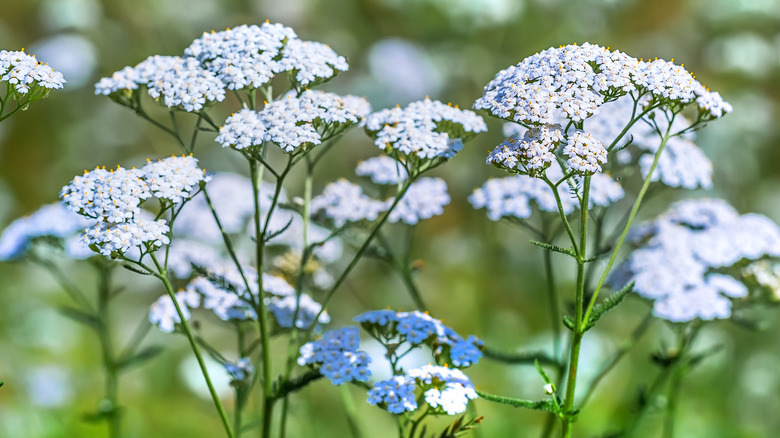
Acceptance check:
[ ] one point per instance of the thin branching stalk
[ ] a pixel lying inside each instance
(163, 276)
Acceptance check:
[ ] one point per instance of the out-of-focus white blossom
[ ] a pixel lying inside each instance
(163, 312)
(512, 196)
(52, 220)
(425, 129)
(424, 199)
(679, 251)
(382, 170)
(345, 202)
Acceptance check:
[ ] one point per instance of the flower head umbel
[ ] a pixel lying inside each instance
(396, 394)
(572, 82)
(174, 179)
(684, 257)
(294, 122)
(529, 154)
(250, 56)
(26, 76)
(586, 154)
(423, 130)
(175, 82)
(114, 197)
(337, 356)
(442, 387)
(569, 85)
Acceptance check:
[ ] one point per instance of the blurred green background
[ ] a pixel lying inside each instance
(482, 277)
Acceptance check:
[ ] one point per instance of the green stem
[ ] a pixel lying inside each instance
(569, 231)
(292, 349)
(163, 276)
(630, 221)
(579, 331)
(262, 313)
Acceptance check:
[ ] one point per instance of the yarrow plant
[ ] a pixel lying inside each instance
(578, 116)
(263, 261)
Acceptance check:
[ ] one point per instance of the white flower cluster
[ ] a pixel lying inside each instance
(178, 82)
(292, 121)
(445, 388)
(113, 197)
(572, 82)
(533, 151)
(175, 179)
(424, 199)
(250, 56)
(586, 154)
(163, 312)
(511, 196)
(310, 61)
(243, 57)
(24, 72)
(112, 238)
(425, 129)
(680, 250)
(53, 220)
(382, 170)
(337, 356)
(343, 201)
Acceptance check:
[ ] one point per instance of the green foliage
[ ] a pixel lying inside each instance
(555, 248)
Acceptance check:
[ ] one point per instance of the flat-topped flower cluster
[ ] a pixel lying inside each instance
(293, 121)
(24, 73)
(554, 92)
(234, 59)
(113, 198)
